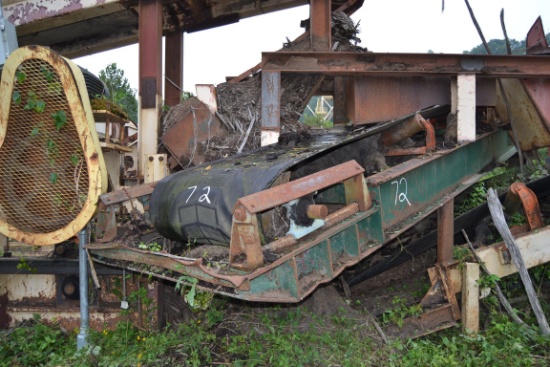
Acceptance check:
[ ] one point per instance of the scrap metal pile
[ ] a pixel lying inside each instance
(234, 126)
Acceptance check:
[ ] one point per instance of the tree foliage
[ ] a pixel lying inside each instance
(119, 89)
(498, 47)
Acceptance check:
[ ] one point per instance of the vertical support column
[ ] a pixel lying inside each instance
(445, 232)
(271, 111)
(150, 78)
(470, 298)
(466, 108)
(454, 96)
(320, 14)
(173, 68)
(82, 337)
(339, 96)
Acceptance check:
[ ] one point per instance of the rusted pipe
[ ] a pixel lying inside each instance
(317, 211)
(280, 245)
(402, 131)
(521, 194)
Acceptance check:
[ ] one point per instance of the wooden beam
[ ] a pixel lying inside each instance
(470, 298)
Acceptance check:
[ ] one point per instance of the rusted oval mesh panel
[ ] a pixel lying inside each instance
(43, 174)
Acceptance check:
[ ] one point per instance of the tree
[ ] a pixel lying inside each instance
(498, 47)
(119, 89)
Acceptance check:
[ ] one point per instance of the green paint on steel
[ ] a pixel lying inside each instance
(281, 278)
(332, 195)
(314, 260)
(343, 246)
(370, 231)
(404, 195)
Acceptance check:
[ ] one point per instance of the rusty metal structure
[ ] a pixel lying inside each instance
(270, 224)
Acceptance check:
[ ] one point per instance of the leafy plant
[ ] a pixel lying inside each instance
(59, 119)
(24, 265)
(401, 311)
(151, 246)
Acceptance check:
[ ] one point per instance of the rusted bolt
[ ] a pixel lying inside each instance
(240, 213)
(151, 159)
(161, 158)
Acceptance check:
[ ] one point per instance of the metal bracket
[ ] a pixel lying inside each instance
(245, 247)
(415, 124)
(521, 194)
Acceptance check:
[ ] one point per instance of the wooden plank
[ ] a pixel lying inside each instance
(127, 193)
(113, 146)
(470, 298)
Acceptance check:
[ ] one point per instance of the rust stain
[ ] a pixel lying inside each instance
(5, 318)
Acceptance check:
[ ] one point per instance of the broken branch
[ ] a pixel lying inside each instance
(497, 214)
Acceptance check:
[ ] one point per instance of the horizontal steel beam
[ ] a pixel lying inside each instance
(51, 266)
(399, 64)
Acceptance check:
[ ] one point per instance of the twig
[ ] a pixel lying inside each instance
(508, 48)
(501, 297)
(173, 84)
(252, 121)
(225, 121)
(500, 223)
(92, 270)
(380, 331)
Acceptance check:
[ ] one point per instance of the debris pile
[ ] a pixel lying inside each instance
(239, 106)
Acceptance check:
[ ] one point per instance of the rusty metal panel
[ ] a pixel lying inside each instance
(190, 136)
(539, 92)
(375, 99)
(271, 96)
(532, 131)
(536, 39)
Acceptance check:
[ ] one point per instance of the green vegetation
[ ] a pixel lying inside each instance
(498, 47)
(317, 121)
(121, 94)
(229, 334)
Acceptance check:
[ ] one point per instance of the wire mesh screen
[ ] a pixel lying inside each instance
(43, 174)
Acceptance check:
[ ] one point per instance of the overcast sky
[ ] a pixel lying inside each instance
(385, 26)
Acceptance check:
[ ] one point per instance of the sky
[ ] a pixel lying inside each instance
(385, 26)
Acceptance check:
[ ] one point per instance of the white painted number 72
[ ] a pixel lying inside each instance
(401, 188)
(203, 197)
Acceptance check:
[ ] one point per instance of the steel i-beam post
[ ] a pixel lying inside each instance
(150, 78)
(320, 25)
(271, 107)
(173, 68)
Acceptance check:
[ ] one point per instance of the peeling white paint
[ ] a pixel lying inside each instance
(21, 286)
(26, 12)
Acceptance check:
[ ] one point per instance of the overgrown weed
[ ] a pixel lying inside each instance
(229, 334)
